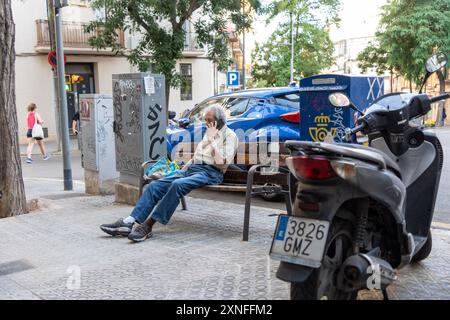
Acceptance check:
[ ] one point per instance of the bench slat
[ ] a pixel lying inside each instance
(248, 153)
(240, 177)
(225, 187)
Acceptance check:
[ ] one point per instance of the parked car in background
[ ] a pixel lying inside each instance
(255, 115)
(266, 111)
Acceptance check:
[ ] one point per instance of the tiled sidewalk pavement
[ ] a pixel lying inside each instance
(199, 255)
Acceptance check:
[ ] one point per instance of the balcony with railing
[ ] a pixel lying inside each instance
(191, 46)
(74, 37)
(237, 47)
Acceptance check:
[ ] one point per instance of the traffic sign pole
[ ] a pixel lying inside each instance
(67, 166)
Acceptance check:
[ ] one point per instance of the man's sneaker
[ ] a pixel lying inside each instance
(118, 228)
(29, 160)
(140, 233)
(46, 157)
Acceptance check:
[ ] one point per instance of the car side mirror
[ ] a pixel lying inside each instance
(183, 122)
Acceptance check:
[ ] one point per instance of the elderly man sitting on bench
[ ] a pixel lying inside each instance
(210, 161)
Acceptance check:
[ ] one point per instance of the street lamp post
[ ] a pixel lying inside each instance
(67, 167)
(243, 62)
(51, 30)
(292, 47)
(244, 85)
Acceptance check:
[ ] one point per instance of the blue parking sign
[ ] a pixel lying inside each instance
(232, 78)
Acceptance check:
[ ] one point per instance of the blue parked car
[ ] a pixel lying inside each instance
(266, 111)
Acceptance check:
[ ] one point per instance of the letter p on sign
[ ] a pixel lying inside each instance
(233, 78)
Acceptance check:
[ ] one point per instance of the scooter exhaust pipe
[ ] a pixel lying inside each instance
(364, 271)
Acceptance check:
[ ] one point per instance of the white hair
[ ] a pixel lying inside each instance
(219, 113)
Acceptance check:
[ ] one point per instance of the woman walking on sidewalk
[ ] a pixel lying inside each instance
(34, 118)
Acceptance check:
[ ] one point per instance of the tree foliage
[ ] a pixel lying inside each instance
(313, 49)
(374, 57)
(161, 26)
(410, 31)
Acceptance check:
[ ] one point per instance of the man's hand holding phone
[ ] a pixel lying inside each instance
(211, 131)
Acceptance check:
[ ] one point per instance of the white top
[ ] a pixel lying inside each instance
(226, 143)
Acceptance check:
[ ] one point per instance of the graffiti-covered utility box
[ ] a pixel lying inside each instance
(140, 120)
(319, 119)
(96, 122)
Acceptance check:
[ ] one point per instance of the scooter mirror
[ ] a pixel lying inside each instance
(339, 100)
(436, 62)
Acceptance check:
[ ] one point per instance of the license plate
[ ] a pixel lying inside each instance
(299, 240)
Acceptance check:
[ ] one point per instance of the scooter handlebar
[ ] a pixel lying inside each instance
(439, 98)
(359, 128)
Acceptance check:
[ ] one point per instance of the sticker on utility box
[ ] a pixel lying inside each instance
(149, 83)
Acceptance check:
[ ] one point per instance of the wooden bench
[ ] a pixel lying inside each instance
(249, 180)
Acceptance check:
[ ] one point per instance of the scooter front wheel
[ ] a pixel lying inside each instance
(321, 284)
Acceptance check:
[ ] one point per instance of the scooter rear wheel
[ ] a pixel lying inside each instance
(425, 251)
(321, 284)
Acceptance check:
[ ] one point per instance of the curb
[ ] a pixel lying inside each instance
(440, 225)
(53, 153)
(80, 182)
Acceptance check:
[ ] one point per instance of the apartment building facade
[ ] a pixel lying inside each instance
(90, 69)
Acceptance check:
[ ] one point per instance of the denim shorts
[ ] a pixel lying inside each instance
(30, 135)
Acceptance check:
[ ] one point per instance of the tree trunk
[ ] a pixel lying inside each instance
(392, 80)
(12, 192)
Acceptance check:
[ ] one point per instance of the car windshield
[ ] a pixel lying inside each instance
(198, 114)
(233, 106)
(291, 100)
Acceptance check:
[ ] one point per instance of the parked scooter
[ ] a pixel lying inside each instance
(360, 213)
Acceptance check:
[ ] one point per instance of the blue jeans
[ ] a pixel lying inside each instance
(162, 196)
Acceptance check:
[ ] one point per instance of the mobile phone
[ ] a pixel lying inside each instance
(220, 124)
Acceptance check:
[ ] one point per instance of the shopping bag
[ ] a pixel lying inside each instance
(162, 168)
(37, 132)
